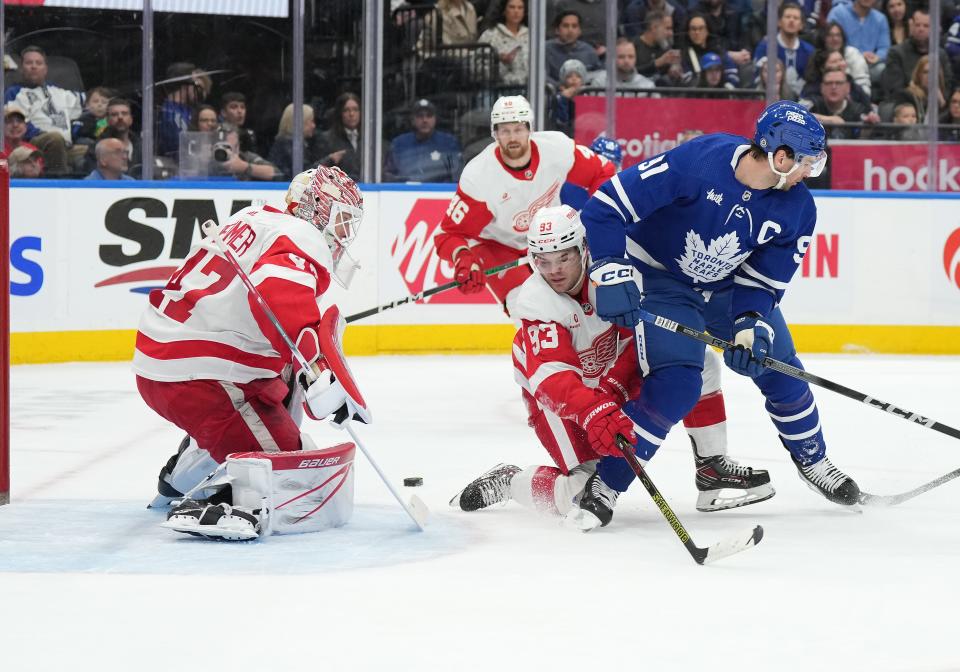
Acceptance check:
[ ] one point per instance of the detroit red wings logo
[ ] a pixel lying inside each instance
(602, 352)
(521, 220)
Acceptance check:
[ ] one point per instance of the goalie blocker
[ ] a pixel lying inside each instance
(257, 494)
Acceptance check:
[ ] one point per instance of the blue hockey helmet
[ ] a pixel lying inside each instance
(609, 149)
(788, 124)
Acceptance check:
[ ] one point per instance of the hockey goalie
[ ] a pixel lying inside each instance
(209, 360)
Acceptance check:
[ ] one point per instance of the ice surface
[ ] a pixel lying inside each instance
(88, 581)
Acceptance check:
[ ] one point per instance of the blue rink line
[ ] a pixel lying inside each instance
(123, 537)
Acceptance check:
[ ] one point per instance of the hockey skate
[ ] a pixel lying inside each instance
(491, 487)
(596, 506)
(166, 493)
(718, 473)
(220, 522)
(824, 478)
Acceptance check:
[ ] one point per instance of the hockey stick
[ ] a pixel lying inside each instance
(800, 374)
(702, 556)
(416, 509)
(430, 292)
(892, 500)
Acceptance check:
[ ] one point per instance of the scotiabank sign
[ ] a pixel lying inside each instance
(891, 166)
(648, 126)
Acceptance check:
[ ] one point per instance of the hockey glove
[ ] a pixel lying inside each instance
(618, 297)
(603, 422)
(751, 342)
(467, 271)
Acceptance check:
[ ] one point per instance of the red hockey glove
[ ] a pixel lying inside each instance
(468, 273)
(612, 387)
(603, 422)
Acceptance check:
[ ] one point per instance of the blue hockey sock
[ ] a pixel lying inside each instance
(798, 423)
(615, 472)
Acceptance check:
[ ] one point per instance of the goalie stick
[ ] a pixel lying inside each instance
(430, 292)
(416, 509)
(794, 372)
(702, 556)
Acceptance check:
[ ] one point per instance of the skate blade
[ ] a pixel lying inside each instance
(161, 502)
(580, 520)
(711, 500)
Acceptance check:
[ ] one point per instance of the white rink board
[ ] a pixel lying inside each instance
(873, 261)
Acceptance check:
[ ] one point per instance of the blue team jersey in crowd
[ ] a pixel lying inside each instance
(686, 213)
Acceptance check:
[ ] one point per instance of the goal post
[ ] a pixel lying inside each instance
(4, 332)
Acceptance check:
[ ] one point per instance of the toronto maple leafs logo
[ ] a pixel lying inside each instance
(709, 263)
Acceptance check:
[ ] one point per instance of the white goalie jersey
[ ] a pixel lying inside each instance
(204, 324)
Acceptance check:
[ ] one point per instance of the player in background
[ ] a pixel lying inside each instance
(500, 191)
(604, 147)
(209, 360)
(714, 230)
(577, 371)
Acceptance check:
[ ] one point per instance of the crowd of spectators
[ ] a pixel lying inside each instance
(853, 63)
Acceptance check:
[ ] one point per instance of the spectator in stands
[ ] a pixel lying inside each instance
(233, 110)
(627, 75)
(903, 58)
(698, 43)
(785, 92)
(50, 111)
(833, 38)
(567, 45)
(793, 51)
(93, 120)
(25, 162)
(340, 146)
(239, 164)
(186, 87)
(15, 129)
(834, 107)
(824, 61)
(905, 113)
(593, 20)
(867, 30)
(458, 23)
(511, 39)
(424, 154)
(112, 162)
(119, 126)
(205, 120)
(656, 57)
(724, 24)
(281, 152)
(916, 91)
(951, 118)
(572, 77)
(638, 16)
(896, 13)
(712, 73)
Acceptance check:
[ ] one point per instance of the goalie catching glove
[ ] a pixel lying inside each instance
(334, 392)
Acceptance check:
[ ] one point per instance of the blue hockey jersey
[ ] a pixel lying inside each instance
(685, 212)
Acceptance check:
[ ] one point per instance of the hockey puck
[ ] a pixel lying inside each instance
(413, 481)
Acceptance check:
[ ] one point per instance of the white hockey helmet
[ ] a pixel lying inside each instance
(510, 108)
(330, 200)
(554, 229)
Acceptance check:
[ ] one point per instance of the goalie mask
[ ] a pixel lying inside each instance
(332, 202)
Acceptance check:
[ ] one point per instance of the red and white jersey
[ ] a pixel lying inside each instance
(496, 202)
(563, 350)
(205, 325)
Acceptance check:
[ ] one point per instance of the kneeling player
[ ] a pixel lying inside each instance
(576, 372)
(210, 361)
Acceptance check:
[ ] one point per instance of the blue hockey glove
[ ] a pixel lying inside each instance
(752, 338)
(618, 297)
